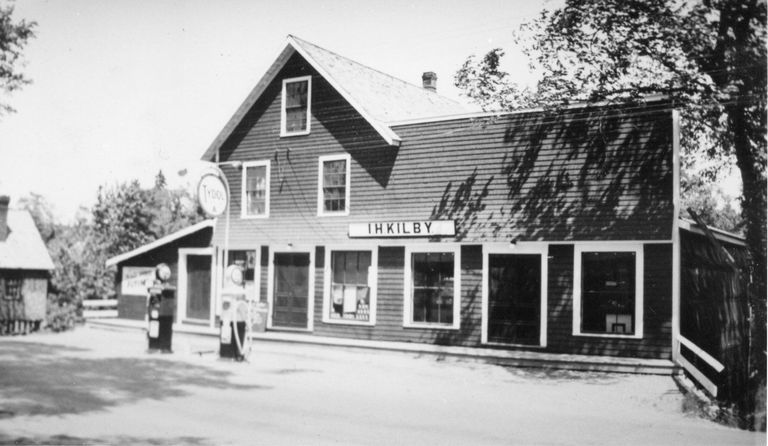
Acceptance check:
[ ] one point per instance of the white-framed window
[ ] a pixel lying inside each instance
(333, 182)
(608, 290)
(432, 286)
(255, 189)
(349, 294)
(296, 106)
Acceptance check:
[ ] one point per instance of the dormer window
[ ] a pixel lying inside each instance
(296, 99)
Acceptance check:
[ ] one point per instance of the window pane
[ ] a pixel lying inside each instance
(296, 99)
(256, 190)
(432, 290)
(608, 292)
(335, 185)
(350, 294)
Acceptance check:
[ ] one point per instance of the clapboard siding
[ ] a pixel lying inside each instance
(657, 308)
(577, 175)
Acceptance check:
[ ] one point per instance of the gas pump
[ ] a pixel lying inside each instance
(235, 335)
(161, 307)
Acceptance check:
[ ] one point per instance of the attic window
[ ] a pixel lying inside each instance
(296, 99)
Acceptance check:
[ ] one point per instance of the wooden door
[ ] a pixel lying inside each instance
(198, 286)
(514, 298)
(291, 290)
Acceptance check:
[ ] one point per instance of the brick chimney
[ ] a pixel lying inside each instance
(4, 201)
(429, 80)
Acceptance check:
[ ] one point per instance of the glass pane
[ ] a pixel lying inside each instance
(350, 295)
(295, 119)
(255, 190)
(296, 94)
(608, 292)
(432, 287)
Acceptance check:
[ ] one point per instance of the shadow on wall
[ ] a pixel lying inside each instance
(40, 379)
(595, 173)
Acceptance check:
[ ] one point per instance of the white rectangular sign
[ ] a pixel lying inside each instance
(423, 228)
(136, 280)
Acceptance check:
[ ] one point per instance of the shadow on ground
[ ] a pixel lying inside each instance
(44, 379)
(66, 440)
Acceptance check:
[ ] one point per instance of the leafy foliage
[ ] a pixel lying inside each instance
(14, 36)
(124, 217)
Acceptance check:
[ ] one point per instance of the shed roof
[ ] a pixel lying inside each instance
(380, 99)
(161, 241)
(24, 248)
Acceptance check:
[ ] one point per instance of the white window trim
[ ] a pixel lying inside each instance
(283, 131)
(243, 205)
(541, 249)
(410, 249)
(637, 248)
(181, 285)
(321, 212)
(372, 283)
(273, 250)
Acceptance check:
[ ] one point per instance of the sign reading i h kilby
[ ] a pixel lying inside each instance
(423, 228)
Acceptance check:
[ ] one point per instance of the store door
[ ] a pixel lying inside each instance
(291, 290)
(514, 298)
(198, 288)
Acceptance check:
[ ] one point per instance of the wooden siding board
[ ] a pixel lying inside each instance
(517, 176)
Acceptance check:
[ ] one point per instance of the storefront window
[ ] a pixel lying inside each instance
(350, 290)
(433, 287)
(608, 292)
(247, 260)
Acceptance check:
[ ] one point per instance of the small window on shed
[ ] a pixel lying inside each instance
(12, 288)
(296, 100)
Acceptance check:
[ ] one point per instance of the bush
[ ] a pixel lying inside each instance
(60, 316)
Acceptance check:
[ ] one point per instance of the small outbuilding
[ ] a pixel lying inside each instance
(25, 267)
(189, 254)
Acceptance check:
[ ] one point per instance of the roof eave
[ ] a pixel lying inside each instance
(112, 261)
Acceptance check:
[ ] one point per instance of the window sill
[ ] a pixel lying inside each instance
(288, 135)
(431, 326)
(254, 217)
(333, 214)
(609, 335)
(370, 323)
(505, 344)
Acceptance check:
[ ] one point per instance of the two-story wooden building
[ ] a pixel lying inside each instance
(370, 208)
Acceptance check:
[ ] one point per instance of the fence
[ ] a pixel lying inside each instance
(99, 309)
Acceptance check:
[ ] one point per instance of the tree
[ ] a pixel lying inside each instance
(14, 36)
(707, 56)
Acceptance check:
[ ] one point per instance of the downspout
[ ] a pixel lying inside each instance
(676, 248)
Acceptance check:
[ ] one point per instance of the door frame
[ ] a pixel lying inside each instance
(181, 286)
(310, 286)
(542, 250)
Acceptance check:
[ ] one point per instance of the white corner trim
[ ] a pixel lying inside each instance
(372, 284)
(410, 249)
(538, 248)
(638, 249)
(321, 212)
(243, 204)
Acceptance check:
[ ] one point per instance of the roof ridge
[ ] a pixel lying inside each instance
(373, 69)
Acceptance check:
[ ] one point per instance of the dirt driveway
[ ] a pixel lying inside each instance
(95, 386)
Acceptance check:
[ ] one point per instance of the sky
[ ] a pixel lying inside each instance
(122, 89)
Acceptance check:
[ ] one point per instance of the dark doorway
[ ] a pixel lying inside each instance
(514, 298)
(291, 293)
(198, 286)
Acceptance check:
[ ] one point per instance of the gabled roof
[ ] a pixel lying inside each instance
(161, 241)
(24, 248)
(379, 98)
